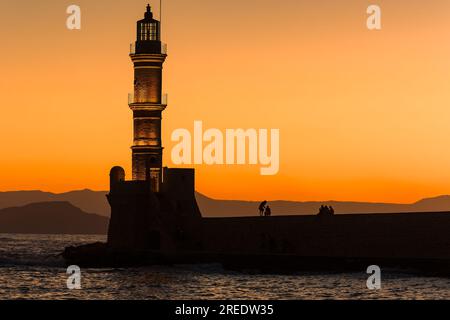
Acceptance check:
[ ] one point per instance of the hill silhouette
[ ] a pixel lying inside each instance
(51, 218)
(95, 202)
(86, 200)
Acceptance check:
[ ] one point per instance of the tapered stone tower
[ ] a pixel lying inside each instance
(147, 102)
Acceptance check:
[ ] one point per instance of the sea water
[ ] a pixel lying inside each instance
(30, 268)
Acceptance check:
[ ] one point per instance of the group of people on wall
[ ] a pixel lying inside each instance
(326, 211)
(265, 211)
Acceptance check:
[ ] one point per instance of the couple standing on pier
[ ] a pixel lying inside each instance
(264, 209)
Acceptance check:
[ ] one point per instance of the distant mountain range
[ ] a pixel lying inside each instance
(51, 218)
(66, 213)
(86, 200)
(95, 202)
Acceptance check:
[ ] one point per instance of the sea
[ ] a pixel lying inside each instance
(31, 269)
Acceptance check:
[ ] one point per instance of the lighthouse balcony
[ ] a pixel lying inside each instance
(136, 102)
(148, 47)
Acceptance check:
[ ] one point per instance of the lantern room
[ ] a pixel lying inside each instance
(148, 34)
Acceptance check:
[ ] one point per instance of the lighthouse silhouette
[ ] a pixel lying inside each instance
(158, 203)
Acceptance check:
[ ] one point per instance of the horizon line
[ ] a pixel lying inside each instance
(241, 200)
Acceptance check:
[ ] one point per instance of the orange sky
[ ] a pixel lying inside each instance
(363, 115)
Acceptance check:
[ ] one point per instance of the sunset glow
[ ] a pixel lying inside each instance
(363, 115)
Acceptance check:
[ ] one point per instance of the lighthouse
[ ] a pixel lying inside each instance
(147, 102)
(152, 210)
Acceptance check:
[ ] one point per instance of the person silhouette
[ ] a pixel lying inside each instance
(268, 212)
(262, 208)
(322, 210)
